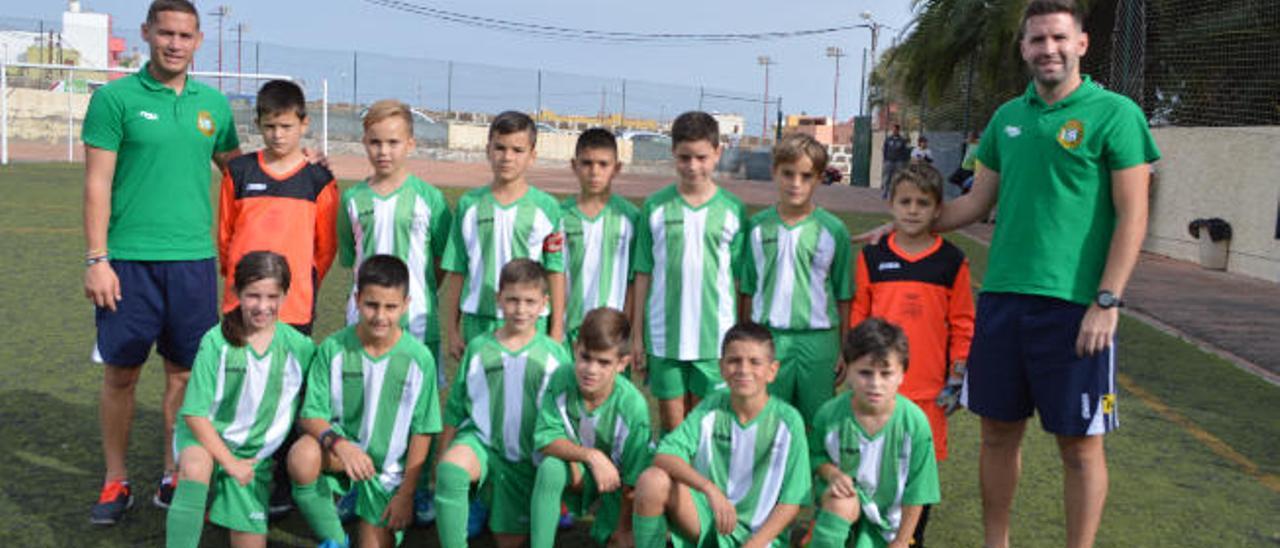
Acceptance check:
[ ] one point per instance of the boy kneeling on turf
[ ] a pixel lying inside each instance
(733, 473)
(370, 411)
(238, 408)
(592, 417)
(865, 440)
(491, 412)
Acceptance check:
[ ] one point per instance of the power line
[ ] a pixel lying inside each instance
(592, 35)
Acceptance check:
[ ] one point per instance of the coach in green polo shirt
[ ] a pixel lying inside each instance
(151, 271)
(1067, 166)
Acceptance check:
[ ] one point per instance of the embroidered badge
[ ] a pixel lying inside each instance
(204, 122)
(1071, 134)
(553, 243)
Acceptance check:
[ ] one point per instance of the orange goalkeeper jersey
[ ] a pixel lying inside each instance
(927, 294)
(293, 214)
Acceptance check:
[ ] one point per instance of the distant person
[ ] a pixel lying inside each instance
(896, 152)
(963, 175)
(921, 154)
(148, 223)
(1069, 164)
(687, 252)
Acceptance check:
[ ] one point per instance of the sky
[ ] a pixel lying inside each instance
(803, 75)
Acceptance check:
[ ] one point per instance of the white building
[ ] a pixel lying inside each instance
(88, 33)
(731, 125)
(14, 45)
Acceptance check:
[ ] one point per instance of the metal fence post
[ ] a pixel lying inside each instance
(4, 113)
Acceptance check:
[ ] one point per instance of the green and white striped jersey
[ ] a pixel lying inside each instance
(497, 392)
(892, 468)
(619, 427)
(250, 398)
(411, 223)
(487, 235)
(689, 253)
(797, 274)
(598, 256)
(757, 465)
(376, 403)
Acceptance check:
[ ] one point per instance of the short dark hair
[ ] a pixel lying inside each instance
(605, 329)
(695, 125)
(792, 146)
(877, 338)
(596, 138)
(522, 271)
(279, 97)
(751, 332)
(183, 6)
(513, 121)
(922, 175)
(1036, 8)
(383, 271)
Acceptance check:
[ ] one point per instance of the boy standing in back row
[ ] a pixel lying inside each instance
(796, 276)
(690, 235)
(599, 234)
(507, 219)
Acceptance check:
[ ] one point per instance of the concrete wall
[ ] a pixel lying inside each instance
(39, 115)
(551, 146)
(1232, 173)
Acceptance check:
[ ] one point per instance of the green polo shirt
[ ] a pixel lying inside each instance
(1055, 209)
(161, 205)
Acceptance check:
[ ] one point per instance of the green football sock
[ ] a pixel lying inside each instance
(186, 514)
(650, 531)
(545, 511)
(830, 531)
(316, 505)
(452, 485)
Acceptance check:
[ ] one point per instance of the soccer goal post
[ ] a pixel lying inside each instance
(41, 83)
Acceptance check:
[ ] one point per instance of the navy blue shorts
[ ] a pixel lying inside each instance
(1023, 359)
(170, 304)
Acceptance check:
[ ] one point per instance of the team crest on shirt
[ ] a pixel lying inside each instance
(553, 243)
(1071, 134)
(204, 123)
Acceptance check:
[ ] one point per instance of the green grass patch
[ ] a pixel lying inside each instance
(1167, 488)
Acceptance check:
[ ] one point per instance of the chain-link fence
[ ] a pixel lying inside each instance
(342, 84)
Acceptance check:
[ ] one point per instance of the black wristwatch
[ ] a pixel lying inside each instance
(1108, 300)
(328, 438)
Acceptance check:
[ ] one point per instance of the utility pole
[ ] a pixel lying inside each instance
(448, 100)
(221, 12)
(874, 26)
(766, 62)
(240, 29)
(538, 112)
(622, 120)
(835, 53)
(355, 81)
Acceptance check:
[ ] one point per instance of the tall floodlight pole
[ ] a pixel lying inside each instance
(765, 62)
(835, 53)
(221, 12)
